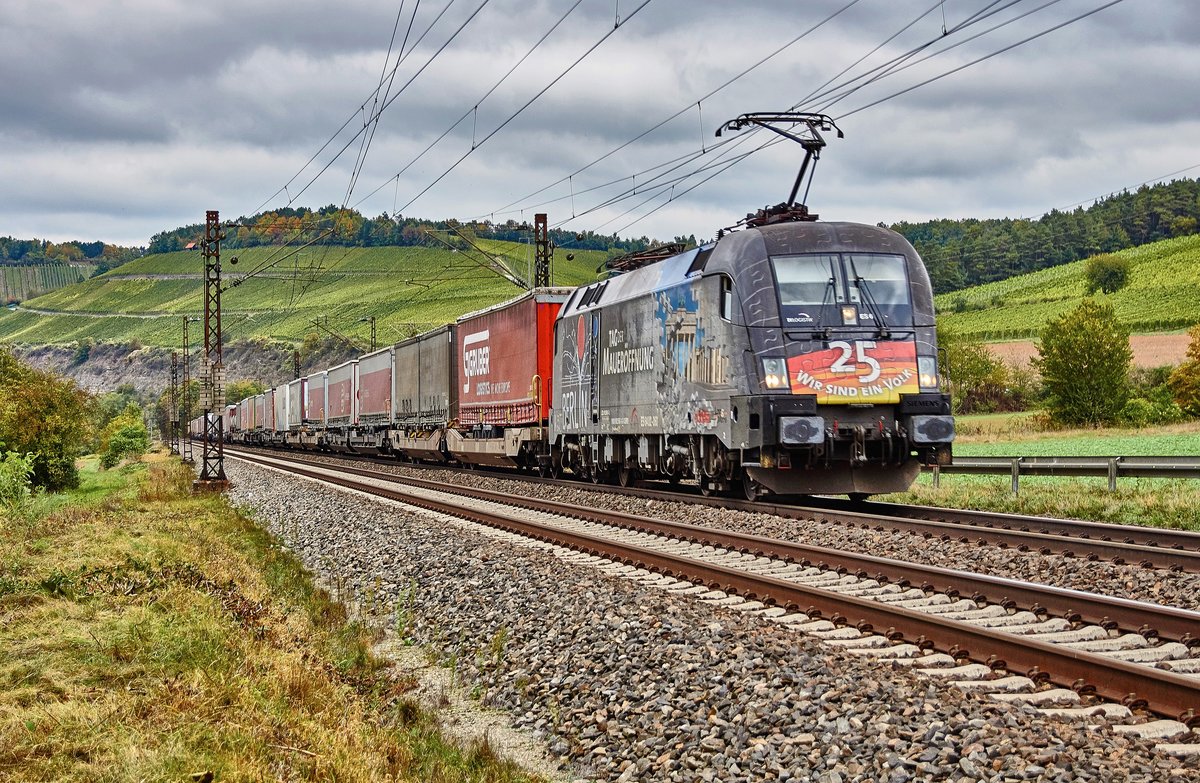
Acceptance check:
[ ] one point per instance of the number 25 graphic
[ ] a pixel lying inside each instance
(844, 364)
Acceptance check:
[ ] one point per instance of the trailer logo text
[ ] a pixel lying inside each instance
(476, 361)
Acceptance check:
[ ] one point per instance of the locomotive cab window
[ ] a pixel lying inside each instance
(810, 286)
(879, 281)
(726, 298)
(814, 287)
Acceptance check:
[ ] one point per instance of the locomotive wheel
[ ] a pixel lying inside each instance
(707, 488)
(858, 497)
(749, 488)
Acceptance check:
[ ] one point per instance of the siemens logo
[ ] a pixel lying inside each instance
(476, 361)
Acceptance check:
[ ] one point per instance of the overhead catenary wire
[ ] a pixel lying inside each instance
(1053, 28)
(389, 101)
(684, 109)
(523, 107)
(693, 155)
(473, 111)
(964, 66)
(386, 102)
(683, 160)
(357, 112)
(365, 146)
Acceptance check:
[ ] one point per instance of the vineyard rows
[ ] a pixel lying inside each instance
(18, 283)
(1163, 294)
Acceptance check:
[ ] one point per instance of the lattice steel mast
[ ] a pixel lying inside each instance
(212, 471)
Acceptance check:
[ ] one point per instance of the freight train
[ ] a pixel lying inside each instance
(792, 356)
(797, 358)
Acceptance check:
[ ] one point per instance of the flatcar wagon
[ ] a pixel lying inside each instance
(424, 395)
(504, 358)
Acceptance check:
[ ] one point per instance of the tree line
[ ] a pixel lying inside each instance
(40, 252)
(349, 228)
(968, 252)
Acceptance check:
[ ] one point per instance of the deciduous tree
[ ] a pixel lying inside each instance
(1106, 272)
(1084, 358)
(1185, 380)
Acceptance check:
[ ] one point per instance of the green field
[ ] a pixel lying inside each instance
(406, 289)
(1176, 440)
(1173, 503)
(1163, 294)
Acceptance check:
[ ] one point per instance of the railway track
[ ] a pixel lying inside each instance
(1007, 638)
(1149, 547)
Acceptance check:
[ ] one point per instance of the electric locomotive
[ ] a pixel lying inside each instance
(790, 355)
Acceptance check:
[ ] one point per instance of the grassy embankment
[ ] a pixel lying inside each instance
(148, 634)
(1157, 502)
(1163, 294)
(404, 288)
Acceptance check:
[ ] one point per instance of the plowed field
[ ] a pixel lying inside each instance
(1149, 350)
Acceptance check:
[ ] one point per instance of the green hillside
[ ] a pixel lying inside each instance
(404, 288)
(1163, 294)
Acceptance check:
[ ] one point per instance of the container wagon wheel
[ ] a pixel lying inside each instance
(629, 477)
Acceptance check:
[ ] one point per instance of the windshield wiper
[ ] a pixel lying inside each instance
(872, 306)
(830, 287)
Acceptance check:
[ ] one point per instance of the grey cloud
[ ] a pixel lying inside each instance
(148, 112)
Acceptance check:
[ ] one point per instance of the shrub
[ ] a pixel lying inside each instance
(125, 436)
(1106, 272)
(16, 481)
(1084, 358)
(981, 383)
(1138, 412)
(46, 416)
(83, 349)
(1156, 404)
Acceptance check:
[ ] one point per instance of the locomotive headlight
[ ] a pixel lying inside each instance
(927, 375)
(775, 373)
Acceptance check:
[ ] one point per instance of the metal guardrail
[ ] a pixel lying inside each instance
(1112, 467)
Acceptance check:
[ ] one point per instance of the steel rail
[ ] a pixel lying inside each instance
(1160, 691)
(1164, 538)
(1148, 619)
(1118, 552)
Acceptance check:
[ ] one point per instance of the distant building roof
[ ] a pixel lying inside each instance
(190, 246)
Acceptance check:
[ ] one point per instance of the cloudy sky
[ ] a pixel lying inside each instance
(122, 118)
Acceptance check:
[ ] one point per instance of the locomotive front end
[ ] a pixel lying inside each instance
(849, 394)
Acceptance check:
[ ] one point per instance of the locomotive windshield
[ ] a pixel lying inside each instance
(814, 289)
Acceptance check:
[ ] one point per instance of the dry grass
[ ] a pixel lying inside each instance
(147, 634)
